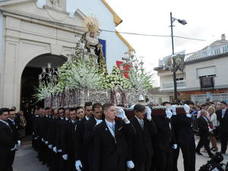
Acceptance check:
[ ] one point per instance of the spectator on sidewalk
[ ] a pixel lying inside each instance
(214, 123)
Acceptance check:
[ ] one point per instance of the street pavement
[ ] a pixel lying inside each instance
(26, 160)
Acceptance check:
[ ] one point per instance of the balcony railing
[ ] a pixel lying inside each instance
(169, 85)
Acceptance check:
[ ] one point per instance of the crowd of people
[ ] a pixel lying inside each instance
(106, 137)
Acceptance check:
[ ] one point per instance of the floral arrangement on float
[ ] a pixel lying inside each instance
(84, 76)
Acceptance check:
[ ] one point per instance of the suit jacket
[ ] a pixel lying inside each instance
(142, 142)
(165, 136)
(111, 153)
(35, 125)
(68, 138)
(64, 135)
(7, 140)
(182, 126)
(89, 133)
(60, 126)
(13, 126)
(203, 126)
(51, 136)
(80, 148)
(72, 127)
(223, 121)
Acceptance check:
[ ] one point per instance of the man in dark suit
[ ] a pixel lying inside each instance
(89, 132)
(13, 125)
(223, 128)
(142, 143)
(68, 129)
(110, 143)
(72, 127)
(7, 142)
(184, 137)
(81, 149)
(204, 132)
(164, 141)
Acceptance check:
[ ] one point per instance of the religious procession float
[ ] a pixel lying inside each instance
(84, 77)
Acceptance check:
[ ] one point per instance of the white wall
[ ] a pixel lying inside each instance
(115, 48)
(221, 78)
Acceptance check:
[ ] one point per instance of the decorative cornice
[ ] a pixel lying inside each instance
(44, 21)
(117, 20)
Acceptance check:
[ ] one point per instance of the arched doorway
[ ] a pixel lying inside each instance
(30, 81)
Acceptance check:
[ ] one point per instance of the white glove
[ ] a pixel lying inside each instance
(60, 150)
(210, 130)
(187, 108)
(35, 138)
(18, 144)
(65, 157)
(174, 110)
(14, 148)
(98, 121)
(130, 164)
(55, 149)
(148, 113)
(189, 115)
(78, 165)
(46, 142)
(42, 140)
(169, 114)
(50, 146)
(174, 146)
(121, 114)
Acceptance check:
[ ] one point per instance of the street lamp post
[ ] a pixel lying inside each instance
(174, 66)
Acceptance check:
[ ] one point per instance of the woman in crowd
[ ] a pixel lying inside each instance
(214, 123)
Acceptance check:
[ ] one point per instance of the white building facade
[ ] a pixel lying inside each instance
(34, 33)
(204, 77)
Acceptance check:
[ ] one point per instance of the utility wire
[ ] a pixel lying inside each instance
(59, 23)
(153, 35)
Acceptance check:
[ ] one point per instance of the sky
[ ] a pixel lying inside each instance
(206, 19)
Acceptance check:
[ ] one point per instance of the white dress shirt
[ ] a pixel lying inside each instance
(98, 121)
(141, 122)
(111, 127)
